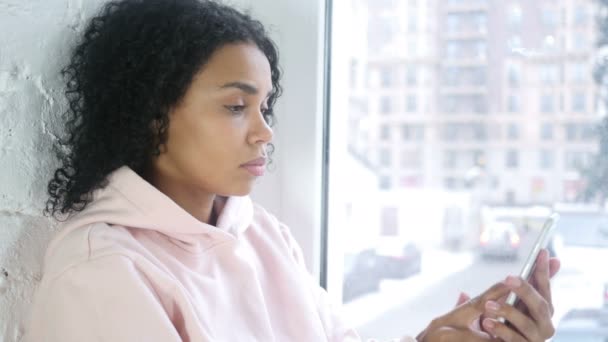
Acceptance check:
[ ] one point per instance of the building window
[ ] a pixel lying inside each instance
(450, 159)
(549, 74)
(512, 159)
(513, 104)
(386, 77)
(385, 157)
(546, 131)
(512, 131)
(546, 159)
(579, 102)
(411, 132)
(547, 103)
(481, 22)
(580, 41)
(385, 182)
(411, 103)
(513, 76)
(579, 72)
(453, 23)
(588, 132)
(385, 132)
(580, 15)
(515, 17)
(550, 18)
(386, 105)
(412, 23)
(571, 131)
(411, 76)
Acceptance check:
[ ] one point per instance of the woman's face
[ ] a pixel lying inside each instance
(217, 135)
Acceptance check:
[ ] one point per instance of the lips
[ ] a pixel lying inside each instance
(256, 167)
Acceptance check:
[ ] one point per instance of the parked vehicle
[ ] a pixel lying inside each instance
(361, 274)
(398, 259)
(500, 240)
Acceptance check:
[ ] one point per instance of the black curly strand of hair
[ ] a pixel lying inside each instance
(134, 62)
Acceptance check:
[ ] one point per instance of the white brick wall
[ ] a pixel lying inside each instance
(33, 46)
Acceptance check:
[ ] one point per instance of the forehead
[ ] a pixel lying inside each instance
(236, 62)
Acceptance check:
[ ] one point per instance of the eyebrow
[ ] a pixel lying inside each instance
(247, 88)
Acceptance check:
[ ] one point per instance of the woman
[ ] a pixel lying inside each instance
(170, 107)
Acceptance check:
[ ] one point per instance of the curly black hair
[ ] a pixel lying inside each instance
(134, 63)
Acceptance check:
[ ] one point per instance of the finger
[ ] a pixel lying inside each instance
(522, 324)
(542, 278)
(554, 266)
(467, 314)
(462, 298)
(502, 332)
(539, 309)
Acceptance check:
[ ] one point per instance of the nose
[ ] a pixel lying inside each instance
(260, 132)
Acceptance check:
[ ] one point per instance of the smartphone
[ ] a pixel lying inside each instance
(541, 242)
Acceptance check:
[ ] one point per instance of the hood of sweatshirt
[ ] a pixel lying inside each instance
(130, 201)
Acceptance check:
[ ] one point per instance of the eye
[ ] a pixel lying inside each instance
(236, 109)
(265, 111)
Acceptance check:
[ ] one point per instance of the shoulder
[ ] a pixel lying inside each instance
(73, 247)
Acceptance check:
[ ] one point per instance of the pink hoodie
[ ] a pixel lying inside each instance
(134, 266)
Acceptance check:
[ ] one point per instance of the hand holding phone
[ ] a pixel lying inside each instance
(541, 242)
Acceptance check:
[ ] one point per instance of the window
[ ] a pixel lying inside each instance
(386, 105)
(385, 157)
(386, 77)
(546, 159)
(547, 103)
(579, 72)
(513, 104)
(546, 131)
(453, 23)
(580, 15)
(385, 132)
(512, 159)
(412, 23)
(411, 76)
(550, 18)
(579, 102)
(513, 132)
(549, 74)
(411, 104)
(571, 131)
(513, 76)
(477, 137)
(515, 16)
(412, 132)
(579, 41)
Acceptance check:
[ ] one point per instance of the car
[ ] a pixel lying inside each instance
(499, 239)
(583, 325)
(361, 274)
(398, 259)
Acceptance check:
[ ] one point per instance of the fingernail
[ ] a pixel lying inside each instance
(489, 324)
(513, 281)
(492, 305)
